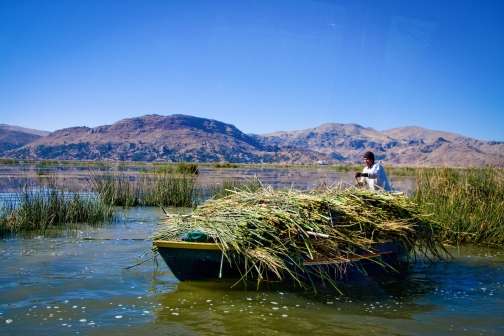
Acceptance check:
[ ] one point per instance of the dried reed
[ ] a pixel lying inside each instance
(274, 229)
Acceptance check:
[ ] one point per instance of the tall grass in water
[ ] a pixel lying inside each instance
(42, 208)
(468, 203)
(224, 165)
(115, 188)
(150, 189)
(187, 168)
(167, 189)
(172, 168)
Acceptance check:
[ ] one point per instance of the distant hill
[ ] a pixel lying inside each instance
(186, 138)
(24, 130)
(405, 146)
(415, 133)
(341, 142)
(12, 138)
(160, 138)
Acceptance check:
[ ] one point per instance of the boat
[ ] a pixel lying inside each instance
(195, 261)
(329, 234)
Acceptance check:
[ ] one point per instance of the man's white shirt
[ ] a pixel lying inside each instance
(377, 178)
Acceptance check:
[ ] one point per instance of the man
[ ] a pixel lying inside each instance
(373, 174)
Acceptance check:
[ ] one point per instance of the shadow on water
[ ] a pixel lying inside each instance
(464, 295)
(214, 307)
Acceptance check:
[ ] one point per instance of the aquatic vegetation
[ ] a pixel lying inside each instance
(167, 189)
(401, 171)
(187, 168)
(49, 207)
(46, 163)
(150, 189)
(115, 188)
(274, 229)
(225, 165)
(160, 168)
(9, 161)
(172, 168)
(345, 169)
(468, 203)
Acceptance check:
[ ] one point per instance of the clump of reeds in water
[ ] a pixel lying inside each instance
(48, 207)
(224, 165)
(168, 189)
(171, 168)
(149, 189)
(272, 229)
(115, 188)
(468, 203)
(187, 168)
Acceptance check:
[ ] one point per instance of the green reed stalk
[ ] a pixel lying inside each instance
(49, 207)
(115, 188)
(167, 189)
(150, 189)
(468, 203)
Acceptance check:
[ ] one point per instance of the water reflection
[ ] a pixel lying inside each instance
(224, 310)
(442, 298)
(76, 177)
(76, 284)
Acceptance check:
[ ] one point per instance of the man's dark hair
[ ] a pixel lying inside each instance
(369, 155)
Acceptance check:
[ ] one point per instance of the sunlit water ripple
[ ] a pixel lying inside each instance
(75, 283)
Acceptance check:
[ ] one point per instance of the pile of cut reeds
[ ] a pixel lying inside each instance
(269, 227)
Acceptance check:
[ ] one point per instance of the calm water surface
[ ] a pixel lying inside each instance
(14, 176)
(74, 283)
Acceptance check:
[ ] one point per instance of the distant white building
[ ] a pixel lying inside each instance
(323, 163)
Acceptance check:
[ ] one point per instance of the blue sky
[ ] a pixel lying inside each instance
(262, 65)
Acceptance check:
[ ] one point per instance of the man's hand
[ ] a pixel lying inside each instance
(361, 175)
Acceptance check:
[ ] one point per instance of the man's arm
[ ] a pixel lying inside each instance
(375, 171)
(362, 180)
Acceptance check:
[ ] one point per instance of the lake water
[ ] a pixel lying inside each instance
(14, 176)
(75, 283)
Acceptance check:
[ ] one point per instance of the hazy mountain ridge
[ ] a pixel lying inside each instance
(11, 139)
(160, 138)
(403, 146)
(24, 130)
(181, 137)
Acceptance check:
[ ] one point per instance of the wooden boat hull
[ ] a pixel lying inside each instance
(205, 261)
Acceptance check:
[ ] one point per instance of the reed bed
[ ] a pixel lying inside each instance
(275, 229)
(115, 188)
(149, 189)
(469, 203)
(177, 190)
(172, 168)
(40, 209)
(224, 165)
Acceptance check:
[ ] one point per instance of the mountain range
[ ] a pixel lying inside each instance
(186, 138)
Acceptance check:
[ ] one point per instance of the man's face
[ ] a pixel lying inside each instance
(368, 162)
